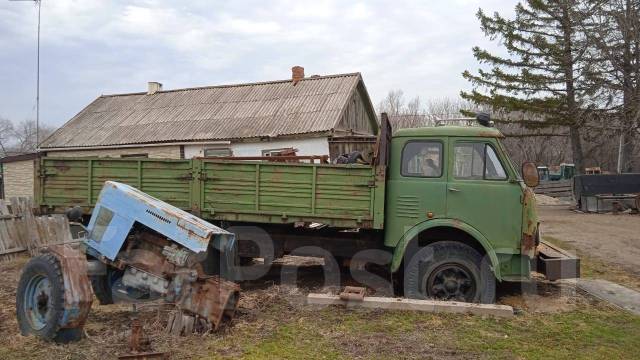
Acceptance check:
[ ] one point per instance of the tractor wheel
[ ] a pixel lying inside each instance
(448, 270)
(40, 301)
(103, 285)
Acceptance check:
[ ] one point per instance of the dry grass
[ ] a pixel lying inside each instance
(273, 322)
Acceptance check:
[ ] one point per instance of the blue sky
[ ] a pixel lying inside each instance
(97, 47)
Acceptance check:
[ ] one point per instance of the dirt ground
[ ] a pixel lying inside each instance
(614, 239)
(273, 321)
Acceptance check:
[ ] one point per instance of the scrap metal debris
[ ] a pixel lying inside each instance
(140, 345)
(352, 293)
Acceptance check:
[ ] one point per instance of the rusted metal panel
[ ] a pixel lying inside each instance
(140, 345)
(78, 294)
(530, 232)
(212, 298)
(556, 263)
(352, 293)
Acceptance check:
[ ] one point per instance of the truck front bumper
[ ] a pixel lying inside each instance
(556, 263)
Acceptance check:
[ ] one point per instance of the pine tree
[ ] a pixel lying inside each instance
(613, 30)
(543, 74)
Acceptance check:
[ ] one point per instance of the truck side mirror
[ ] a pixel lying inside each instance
(530, 174)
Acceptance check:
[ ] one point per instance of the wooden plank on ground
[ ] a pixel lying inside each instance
(12, 251)
(434, 306)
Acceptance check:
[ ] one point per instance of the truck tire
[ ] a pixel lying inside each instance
(211, 264)
(40, 301)
(103, 286)
(448, 270)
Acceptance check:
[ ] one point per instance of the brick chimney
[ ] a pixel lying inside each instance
(154, 87)
(297, 74)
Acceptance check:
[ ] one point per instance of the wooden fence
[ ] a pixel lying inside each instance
(560, 188)
(21, 231)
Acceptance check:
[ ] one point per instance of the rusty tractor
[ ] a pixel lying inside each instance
(135, 248)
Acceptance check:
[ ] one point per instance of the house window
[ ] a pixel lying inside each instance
(143, 156)
(217, 152)
(279, 152)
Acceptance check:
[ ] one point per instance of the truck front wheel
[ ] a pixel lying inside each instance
(448, 270)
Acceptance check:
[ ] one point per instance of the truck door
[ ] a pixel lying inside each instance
(482, 193)
(416, 189)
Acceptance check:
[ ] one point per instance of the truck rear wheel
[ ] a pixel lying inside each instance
(40, 300)
(448, 270)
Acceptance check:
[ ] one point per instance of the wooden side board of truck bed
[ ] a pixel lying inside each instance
(345, 196)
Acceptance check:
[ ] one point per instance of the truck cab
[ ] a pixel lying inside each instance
(455, 190)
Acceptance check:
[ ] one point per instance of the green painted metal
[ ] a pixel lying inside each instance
(447, 131)
(413, 232)
(409, 199)
(490, 211)
(338, 195)
(65, 182)
(496, 213)
(492, 206)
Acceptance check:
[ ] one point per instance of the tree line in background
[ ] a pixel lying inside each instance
(565, 88)
(20, 138)
(543, 147)
(571, 67)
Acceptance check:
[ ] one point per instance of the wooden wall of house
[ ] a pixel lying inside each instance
(356, 119)
(339, 145)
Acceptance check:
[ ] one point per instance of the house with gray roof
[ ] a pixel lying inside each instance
(253, 119)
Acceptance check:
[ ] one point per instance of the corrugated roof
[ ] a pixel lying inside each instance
(225, 112)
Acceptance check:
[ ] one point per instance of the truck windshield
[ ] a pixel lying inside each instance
(509, 163)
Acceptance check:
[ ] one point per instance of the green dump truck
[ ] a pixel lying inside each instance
(445, 207)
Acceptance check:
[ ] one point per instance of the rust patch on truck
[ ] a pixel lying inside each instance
(530, 237)
(528, 243)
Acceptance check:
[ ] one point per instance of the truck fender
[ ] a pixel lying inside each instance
(401, 247)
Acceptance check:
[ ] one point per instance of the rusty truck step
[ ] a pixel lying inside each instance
(556, 263)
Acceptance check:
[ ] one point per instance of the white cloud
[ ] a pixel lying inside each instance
(94, 47)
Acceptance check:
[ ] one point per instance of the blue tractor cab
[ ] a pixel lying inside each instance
(135, 248)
